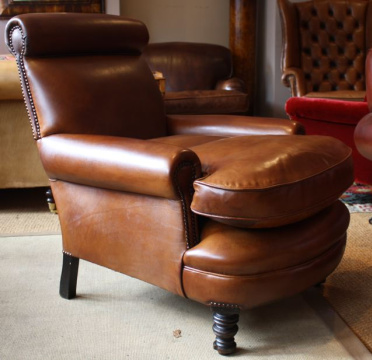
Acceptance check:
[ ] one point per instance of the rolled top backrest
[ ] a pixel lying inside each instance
(83, 73)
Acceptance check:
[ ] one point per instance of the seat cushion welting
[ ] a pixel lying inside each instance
(268, 181)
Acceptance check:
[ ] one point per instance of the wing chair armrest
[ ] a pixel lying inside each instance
(234, 83)
(124, 164)
(294, 78)
(230, 125)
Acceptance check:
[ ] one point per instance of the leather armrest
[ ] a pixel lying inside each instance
(295, 79)
(232, 84)
(230, 125)
(124, 164)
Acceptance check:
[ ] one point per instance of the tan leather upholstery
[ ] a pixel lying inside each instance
(223, 193)
(265, 263)
(124, 174)
(324, 47)
(199, 78)
(302, 164)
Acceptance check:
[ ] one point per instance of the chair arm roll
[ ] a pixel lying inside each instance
(124, 164)
(295, 79)
(234, 83)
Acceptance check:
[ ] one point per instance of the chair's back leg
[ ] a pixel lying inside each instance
(70, 267)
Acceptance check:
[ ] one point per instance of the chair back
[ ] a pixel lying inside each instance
(189, 66)
(326, 41)
(101, 86)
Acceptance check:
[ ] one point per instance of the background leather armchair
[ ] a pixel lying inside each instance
(199, 78)
(324, 47)
(229, 211)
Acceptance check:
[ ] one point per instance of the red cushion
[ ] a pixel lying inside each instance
(334, 118)
(326, 110)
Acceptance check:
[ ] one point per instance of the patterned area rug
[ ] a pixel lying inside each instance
(358, 198)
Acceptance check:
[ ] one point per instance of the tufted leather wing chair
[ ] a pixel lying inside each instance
(199, 78)
(324, 47)
(230, 211)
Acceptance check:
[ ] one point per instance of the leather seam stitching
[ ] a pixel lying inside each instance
(184, 204)
(21, 71)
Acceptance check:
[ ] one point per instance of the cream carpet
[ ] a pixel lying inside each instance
(116, 317)
(25, 212)
(349, 288)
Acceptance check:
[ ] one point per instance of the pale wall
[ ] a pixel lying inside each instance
(180, 20)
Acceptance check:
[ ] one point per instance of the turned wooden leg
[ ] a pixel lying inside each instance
(70, 267)
(50, 200)
(225, 328)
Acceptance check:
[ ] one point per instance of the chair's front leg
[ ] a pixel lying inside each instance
(225, 328)
(70, 267)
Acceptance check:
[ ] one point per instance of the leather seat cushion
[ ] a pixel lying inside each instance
(229, 250)
(206, 102)
(269, 181)
(245, 268)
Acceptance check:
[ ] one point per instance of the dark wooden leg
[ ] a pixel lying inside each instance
(225, 328)
(70, 267)
(50, 200)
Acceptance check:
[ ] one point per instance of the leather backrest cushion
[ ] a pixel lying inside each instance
(106, 95)
(83, 73)
(189, 66)
(268, 181)
(333, 43)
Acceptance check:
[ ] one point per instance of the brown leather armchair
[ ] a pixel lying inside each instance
(229, 211)
(199, 78)
(324, 47)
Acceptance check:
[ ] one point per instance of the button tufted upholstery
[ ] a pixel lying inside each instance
(324, 47)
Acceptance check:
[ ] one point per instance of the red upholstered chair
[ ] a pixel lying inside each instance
(230, 211)
(337, 118)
